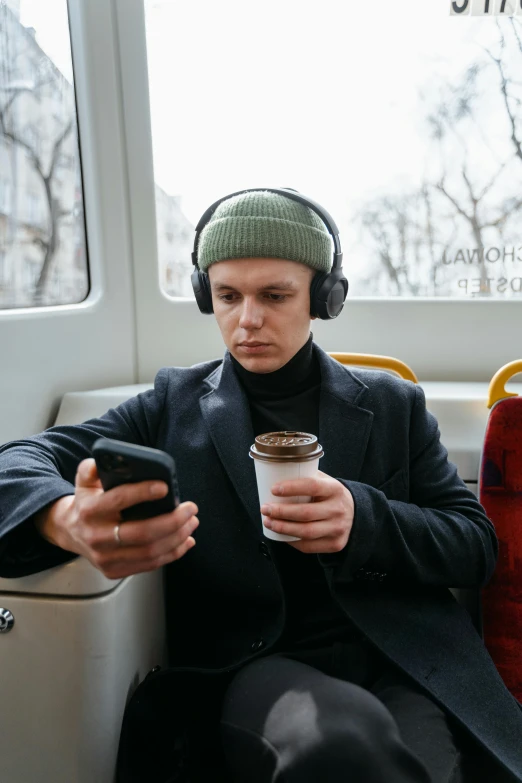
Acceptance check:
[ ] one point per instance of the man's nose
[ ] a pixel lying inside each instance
(251, 314)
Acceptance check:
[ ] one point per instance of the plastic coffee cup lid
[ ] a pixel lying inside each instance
(286, 445)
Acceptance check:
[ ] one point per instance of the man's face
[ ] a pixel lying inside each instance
(262, 306)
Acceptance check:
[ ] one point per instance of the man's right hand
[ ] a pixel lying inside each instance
(85, 523)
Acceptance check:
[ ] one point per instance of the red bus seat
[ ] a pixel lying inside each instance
(500, 492)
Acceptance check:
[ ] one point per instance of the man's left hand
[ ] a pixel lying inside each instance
(324, 524)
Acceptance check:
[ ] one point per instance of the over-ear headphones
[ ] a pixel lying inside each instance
(328, 289)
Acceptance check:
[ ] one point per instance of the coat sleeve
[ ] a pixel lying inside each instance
(440, 537)
(39, 470)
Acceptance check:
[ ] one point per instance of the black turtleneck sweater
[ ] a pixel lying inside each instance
(288, 399)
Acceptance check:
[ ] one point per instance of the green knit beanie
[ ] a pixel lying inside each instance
(261, 224)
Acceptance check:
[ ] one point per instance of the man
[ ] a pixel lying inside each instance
(341, 656)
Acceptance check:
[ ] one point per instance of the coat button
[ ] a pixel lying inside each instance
(258, 644)
(265, 551)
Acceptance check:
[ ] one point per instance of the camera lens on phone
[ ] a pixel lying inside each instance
(107, 461)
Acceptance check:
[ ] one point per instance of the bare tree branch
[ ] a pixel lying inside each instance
(504, 216)
(24, 144)
(492, 181)
(472, 196)
(515, 26)
(504, 89)
(440, 186)
(55, 213)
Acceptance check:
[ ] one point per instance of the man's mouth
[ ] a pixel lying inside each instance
(253, 347)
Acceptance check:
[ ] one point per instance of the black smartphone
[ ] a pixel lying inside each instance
(124, 463)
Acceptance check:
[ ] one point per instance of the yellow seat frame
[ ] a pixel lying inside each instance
(378, 362)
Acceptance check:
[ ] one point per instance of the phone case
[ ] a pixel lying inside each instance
(125, 463)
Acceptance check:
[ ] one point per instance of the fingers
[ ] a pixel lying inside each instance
(147, 532)
(147, 553)
(156, 548)
(115, 500)
(324, 524)
(110, 503)
(87, 475)
(298, 512)
(98, 534)
(143, 545)
(118, 568)
(306, 530)
(318, 486)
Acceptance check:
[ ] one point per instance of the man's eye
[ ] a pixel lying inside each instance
(227, 297)
(277, 297)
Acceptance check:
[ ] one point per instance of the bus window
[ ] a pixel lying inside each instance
(412, 140)
(43, 258)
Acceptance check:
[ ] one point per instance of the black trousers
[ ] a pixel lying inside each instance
(298, 719)
(337, 713)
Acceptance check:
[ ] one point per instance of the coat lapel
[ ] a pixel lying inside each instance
(344, 427)
(227, 415)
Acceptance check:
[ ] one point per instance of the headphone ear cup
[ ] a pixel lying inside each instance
(202, 292)
(327, 294)
(317, 281)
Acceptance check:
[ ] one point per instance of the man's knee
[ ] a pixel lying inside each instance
(345, 727)
(288, 716)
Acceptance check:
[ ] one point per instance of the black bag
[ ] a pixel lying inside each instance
(170, 730)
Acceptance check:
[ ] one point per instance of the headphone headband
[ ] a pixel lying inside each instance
(289, 193)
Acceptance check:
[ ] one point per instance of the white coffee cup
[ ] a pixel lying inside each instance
(280, 456)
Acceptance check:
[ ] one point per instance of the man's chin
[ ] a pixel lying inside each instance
(259, 363)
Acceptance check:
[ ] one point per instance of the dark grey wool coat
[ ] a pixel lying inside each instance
(417, 530)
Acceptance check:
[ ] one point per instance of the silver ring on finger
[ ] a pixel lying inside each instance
(117, 535)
